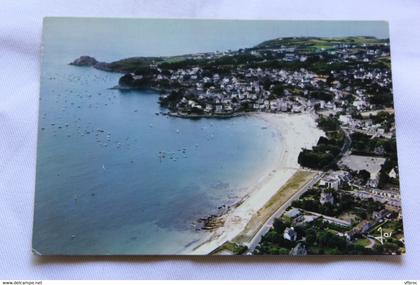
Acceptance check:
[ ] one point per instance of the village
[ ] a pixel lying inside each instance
(271, 79)
(354, 207)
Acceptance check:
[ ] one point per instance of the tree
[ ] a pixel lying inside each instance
(313, 159)
(278, 226)
(328, 239)
(322, 95)
(364, 175)
(310, 235)
(328, 123)
(126, 80)
(278, 90)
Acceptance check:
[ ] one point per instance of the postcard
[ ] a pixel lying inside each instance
(216, 137)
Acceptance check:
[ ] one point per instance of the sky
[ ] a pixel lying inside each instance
(116, 38)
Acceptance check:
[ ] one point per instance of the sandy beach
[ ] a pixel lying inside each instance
(294, 132)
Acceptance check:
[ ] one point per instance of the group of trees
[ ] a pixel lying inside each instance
(313, 159)
(128, 80)
(327, 149)
(344, 203)
(273, 242)
(318, 238)
(321, 239)
(389, 164)
(384, 118)
(171, 99)
(329, 124)
(364, 145)
(321, 95)
(380, 94)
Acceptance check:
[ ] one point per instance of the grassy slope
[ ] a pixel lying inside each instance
(304, 44)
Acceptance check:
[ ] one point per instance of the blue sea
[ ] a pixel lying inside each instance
(113, 175)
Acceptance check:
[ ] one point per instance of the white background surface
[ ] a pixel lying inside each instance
(20, 40)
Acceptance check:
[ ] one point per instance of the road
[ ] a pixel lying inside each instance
(372, 242)
(269, 223)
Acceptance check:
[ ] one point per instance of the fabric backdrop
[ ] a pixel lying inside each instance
(20, 42)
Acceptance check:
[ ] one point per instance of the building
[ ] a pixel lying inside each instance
(392, 173)
(292, 213)
(326, 198)
(391, 194)
(379, 215)
(345, 119)
(362, 228)
(331, 182)
(299, 250)
(289, 234)
(365, 227)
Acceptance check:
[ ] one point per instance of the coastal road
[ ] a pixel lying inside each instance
(372, 242)
(269, 223)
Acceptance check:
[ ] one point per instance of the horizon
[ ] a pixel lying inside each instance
(117, 38)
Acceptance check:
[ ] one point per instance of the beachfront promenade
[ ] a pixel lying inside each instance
(269, 223)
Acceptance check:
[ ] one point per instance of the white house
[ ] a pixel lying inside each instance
(330, 182)
(292, 213)
(290, 234)
(392, 173)
(326, 198)
(345, 119)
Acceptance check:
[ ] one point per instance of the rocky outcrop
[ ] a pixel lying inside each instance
(84, 61)
(89, 61)
(103, 66)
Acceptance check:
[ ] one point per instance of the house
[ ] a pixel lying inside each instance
(336, 221)
(228, 108)
(292, 213)
(345, 119)
(373, 182)
(379, 215)
(365, 227)
(362, 228)
(305, 219)
(379, 150)
(219, 109)
(289, 234)
(392, 194)
(283, 106)
(216, 77)
(273, 105)
(297, 109)
(326, 198)
(359, 104)
(299, 250)
(392, 173)
(331, 182)
(208, 108)
(329, 105)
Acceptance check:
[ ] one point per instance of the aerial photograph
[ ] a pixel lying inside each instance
(216, 137)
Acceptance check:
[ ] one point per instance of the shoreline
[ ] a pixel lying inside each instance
(294, 132)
